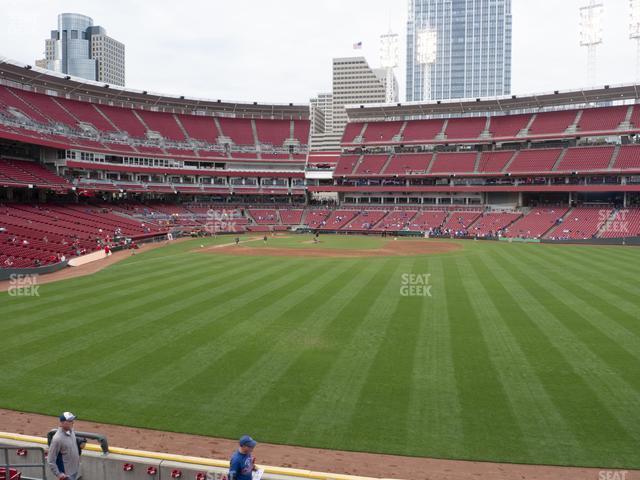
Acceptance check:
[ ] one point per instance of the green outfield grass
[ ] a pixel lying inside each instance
(522, 353)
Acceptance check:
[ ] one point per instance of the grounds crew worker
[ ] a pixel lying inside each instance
(64, 454)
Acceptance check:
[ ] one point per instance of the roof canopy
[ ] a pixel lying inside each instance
(506, 104)
(41, 80)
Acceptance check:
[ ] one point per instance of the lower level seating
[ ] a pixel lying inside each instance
(316, 218)
(291, 216)
(264, 216)
(396, 220)
(492, 224)
(427, 220)
(338, 219)
(623, 223)
(581, 223)
(458, 222)
(366, 220)
(536, 223)
(34, 235)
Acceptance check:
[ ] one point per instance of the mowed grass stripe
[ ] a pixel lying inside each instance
(74, 318)
(259, 318)
(572, 386)
(593, 325)
(516, 346)
(77, 290)
(156, 304)
(484, 404)
(611, 299)
(69, 315)
(314, 354)
(61, 391)
(606, 393)
(359, 338)
(616, 314)
(434, 412)
(114, 274)
(197, 317)
(602, 259)
(622, 278)
(267, 363)
(384, 394)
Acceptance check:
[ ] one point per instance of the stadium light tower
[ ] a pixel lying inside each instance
(426, 56)
(389, 60)
(591, 36)
(634, 31)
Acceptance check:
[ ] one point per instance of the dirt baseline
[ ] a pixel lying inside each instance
(389, 249)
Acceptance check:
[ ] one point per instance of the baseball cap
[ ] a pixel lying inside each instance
(247, 441)
(67, 417)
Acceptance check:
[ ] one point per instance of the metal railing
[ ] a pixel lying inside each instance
(82, 437)
(23, 451)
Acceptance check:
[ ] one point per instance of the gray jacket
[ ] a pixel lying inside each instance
(63, 452)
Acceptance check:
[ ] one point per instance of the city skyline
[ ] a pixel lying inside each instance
(210, 57)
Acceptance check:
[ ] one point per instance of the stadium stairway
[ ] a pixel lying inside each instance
(606, 226)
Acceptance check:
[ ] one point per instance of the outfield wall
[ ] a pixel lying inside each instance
(8, 273)
(126, 464)
(632, 241)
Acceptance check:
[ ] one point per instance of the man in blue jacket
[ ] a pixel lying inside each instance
(242, 463)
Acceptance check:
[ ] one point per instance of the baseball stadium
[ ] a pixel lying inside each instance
(452, 293)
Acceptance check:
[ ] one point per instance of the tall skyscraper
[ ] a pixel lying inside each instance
(472, 48)
(83, 50)
(354, 82)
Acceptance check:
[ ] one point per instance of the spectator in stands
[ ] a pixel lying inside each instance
(64, 456)
(36, 262)
(242, 462)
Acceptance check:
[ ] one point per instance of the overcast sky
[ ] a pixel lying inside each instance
(281, 50)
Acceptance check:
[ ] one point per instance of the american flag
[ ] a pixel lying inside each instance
(357, 46)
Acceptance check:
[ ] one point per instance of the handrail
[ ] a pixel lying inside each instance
(8, 465)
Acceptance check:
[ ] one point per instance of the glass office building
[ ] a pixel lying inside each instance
(80, 49)
(473, 48)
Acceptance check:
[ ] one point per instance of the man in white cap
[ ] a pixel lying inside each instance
(64, 455)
